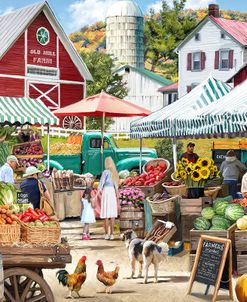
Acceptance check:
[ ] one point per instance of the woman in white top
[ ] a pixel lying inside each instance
(109, 182)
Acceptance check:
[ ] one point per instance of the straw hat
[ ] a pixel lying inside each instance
(31, 171)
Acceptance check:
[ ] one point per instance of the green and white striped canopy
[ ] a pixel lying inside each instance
(227, 116)
(166, 121)
(25, 110)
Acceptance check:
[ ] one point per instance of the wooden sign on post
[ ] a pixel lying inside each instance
(213, 264)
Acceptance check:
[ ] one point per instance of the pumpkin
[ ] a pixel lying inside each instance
(242, 224)
(241, 288)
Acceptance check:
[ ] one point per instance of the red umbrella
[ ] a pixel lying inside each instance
(102, 105)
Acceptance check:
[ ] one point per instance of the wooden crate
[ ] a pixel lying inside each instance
(241, 250)
(190, 206)
(196, 234)
(187, 225)
(169, 217)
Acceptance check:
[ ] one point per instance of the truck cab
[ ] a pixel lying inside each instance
(89, 160)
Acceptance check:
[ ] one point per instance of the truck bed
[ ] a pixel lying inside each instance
(69, 162)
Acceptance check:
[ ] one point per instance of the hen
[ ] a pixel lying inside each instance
(74, 281)
(107, 278)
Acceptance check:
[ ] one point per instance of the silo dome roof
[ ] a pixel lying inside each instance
(126, 8)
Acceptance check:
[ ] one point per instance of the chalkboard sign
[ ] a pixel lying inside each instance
(213, 264)
(22, 197)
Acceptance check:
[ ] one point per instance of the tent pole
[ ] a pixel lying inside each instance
(174, 152)
(84, 124)
(102, 143)
(48, 147)
(140, 163)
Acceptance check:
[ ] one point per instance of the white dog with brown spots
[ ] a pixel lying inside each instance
(145, 252)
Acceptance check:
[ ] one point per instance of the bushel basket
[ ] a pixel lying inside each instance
(10, 233)
(163, 207)
(39, 235)
(155, 162)
(180, 190)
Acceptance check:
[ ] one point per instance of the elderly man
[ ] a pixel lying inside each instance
(7, 170)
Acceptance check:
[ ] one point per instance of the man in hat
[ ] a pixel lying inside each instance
(31, 186)
(190, 155)
(7, 170)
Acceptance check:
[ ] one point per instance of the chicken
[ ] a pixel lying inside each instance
(74, 281)
(107, 278)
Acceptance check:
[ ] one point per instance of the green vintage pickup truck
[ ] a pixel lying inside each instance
(89, 160)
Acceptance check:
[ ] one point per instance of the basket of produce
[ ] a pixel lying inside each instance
(83, 180)
(211, 192)
(158, 164)
(65, 149)
(173, 177)
(9, 227)
(37, 228)
(62, 179)
(175, 188)
(162, 204)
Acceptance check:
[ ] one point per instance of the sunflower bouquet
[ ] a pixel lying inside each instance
(196, 174)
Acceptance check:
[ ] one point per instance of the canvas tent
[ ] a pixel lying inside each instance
(163, 123)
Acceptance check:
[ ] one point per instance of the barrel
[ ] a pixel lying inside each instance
(132, 218)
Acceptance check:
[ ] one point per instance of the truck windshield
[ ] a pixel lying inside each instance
(113, 141)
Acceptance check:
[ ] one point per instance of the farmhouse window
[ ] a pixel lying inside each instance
(196, 61)
(223, 59)
(197, 37)
(42, 71)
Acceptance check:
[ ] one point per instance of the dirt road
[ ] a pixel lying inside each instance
(173, 274)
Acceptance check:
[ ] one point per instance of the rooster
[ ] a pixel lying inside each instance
(74, 281)
(107, 278)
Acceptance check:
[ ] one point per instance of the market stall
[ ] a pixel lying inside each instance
(29, 239)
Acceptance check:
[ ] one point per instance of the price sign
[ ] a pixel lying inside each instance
(22, 197)
(213, 264)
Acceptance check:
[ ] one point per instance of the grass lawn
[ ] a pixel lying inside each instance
(202, 146)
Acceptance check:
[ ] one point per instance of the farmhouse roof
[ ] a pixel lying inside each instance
(237, 30)
(13, 24)
(154, 76)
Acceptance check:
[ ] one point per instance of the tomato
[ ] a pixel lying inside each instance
(162, 164)
(138, 183)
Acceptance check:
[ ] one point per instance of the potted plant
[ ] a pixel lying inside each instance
(131, 197)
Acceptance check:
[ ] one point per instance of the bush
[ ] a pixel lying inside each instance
(164, 148)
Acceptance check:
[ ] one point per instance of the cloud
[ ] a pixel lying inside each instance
(6, 11)
(85, 12)
(193, 4)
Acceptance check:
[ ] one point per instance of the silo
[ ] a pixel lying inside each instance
(125, 33)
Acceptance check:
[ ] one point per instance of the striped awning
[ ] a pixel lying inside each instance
(228, 116)
(171, 120)
(25, 111)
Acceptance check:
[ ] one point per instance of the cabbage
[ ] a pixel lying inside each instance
(124, 174)
(8, 194)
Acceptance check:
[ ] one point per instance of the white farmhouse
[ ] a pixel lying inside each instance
(216, 46)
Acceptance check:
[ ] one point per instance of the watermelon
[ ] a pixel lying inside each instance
(220, 222)
(234, 212)
(208, 213)
(216, 228)
(200, 223)
(220, 207)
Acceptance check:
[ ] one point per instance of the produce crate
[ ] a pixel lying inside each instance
(27, 144)
(196, 234)
(241, 250)
(10, 233)
(165, 206)
(40, 235)
(187, 225)
(191, 206)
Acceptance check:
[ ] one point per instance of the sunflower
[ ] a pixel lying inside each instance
(196, 166)
(177, 176)
(215, 169)
(205, 162)
(183, 175)
(205, 173)
(185, 161)
(195, 175)
(189, 168)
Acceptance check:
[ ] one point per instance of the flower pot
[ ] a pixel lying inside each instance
(195, 192)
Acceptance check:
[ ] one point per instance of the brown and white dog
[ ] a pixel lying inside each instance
(144, 252)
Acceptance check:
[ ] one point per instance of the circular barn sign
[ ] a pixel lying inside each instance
(43, 36)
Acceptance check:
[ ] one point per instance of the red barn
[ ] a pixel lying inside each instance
(38, 60)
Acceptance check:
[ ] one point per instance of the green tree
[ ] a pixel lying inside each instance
(164, 31)
(163, 148)
(101, 67)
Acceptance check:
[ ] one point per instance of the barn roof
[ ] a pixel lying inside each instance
(154, 76)
(12, 26)
(170, 88)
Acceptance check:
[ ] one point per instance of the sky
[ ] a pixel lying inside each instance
(74, 14)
